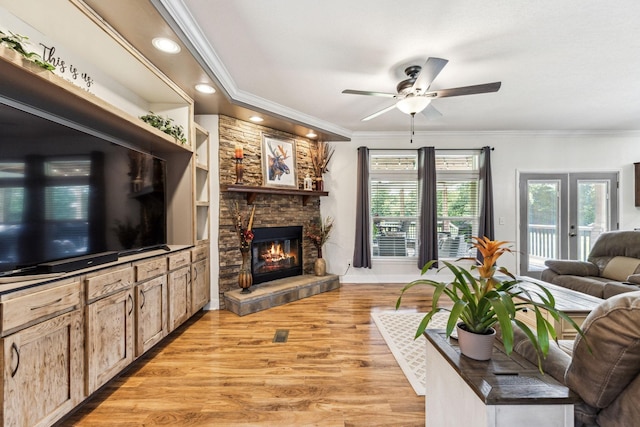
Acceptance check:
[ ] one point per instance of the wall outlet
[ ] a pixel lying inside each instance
(348, 262)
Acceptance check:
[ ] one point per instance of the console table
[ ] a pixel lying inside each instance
(503, 391)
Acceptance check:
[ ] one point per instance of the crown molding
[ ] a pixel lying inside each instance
(193, 36)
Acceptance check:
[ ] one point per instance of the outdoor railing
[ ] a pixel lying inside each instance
(543, 241)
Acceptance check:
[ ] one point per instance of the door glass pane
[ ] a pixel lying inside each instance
(543, 213)
(593, 213)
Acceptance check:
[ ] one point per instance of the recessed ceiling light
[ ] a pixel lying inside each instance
(256, 119)
(205, 88)
(166, 45)
(311, 134)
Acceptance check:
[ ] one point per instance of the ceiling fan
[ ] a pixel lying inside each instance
(413, 93)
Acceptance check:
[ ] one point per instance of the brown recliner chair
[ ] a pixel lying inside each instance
(607, 379)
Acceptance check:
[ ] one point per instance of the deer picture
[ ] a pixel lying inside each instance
(277, 165)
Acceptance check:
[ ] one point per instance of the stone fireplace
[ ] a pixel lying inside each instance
(271, 210)
(276, 253)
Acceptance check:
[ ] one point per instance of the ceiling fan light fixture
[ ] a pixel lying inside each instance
(413, 104)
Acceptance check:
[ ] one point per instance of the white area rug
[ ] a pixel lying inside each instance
(398, 329)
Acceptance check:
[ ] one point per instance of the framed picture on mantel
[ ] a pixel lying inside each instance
(279, 162)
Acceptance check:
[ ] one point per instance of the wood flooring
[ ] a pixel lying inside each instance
(220, 369)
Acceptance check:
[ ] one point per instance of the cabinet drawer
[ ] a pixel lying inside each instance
(38, 306)
(199, 253)
(148, 269)
(108, 283)
(179, 259)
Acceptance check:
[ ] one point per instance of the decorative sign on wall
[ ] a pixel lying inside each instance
(66, 69)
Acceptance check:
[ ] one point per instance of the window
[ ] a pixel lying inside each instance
(393, 181)
(458, 175)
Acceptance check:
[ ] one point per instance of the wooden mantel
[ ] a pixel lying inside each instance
(253, 191)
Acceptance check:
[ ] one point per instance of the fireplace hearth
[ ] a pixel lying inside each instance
(276, 253)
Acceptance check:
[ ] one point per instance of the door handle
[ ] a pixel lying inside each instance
(573, 234)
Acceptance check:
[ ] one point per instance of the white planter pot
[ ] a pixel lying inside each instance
(476, 346)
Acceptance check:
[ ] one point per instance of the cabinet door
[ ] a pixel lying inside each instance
(109, 338)
(200, 291)
(151, 313)
(43, 371)
(179, 297)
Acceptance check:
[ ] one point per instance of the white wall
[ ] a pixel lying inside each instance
(515, 152)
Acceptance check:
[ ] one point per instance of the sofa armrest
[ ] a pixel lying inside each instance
(573, 268)
(634, 279)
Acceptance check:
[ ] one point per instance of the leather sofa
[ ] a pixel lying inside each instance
(612, 267)
(605, 374)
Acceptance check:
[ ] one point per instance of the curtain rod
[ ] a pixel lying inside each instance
(442, 149)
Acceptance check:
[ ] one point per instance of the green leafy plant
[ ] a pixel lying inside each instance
(16, 42)
(165, 125)
(479, 302)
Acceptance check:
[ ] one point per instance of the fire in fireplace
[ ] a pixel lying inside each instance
(276, 252)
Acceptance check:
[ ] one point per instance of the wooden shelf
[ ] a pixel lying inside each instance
(253, 191)
(43, 90)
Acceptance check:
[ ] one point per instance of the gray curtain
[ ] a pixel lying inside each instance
(486, 227)
(428, 215)
(362, 250)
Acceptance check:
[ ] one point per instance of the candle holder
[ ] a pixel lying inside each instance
(239, 171)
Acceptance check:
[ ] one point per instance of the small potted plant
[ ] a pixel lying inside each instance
(478, 302)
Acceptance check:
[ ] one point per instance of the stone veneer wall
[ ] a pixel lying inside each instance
(271, 210)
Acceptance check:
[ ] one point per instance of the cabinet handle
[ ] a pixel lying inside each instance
(46, 305)
(195, 274)
(143, 299)
(14, 347)
(131, 300)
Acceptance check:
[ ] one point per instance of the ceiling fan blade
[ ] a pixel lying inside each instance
(379, 113)
(429, 72)
(367, 92)
(466, 90)
(431, 112)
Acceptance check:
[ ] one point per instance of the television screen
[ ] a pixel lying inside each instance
(67, 193)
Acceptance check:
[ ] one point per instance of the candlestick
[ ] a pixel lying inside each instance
(239, 170)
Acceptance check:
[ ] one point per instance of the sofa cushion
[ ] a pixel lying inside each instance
(620, 267)
(574, 268)
(591, 285)
(615, 288)
(612, 332)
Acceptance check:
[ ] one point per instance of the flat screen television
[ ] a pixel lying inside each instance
(68, 193)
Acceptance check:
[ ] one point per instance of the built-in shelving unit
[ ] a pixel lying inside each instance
(253, 191)
(202, 195)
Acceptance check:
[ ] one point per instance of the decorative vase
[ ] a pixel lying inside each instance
(320, 267)
(475, 346)
(319, 184)
(245, 279)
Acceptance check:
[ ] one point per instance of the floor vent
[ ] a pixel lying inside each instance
(281, 335)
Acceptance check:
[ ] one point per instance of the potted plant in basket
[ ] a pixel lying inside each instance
(483, 300)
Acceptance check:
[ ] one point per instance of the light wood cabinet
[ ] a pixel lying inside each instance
(200, 288)
(43, 371)
(151, 313)
(62, 340)
(109, 337)
(179, 286)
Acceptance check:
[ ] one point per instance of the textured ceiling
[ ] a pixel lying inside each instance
(564, 66)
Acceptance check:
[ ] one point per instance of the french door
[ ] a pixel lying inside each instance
(561, 215)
